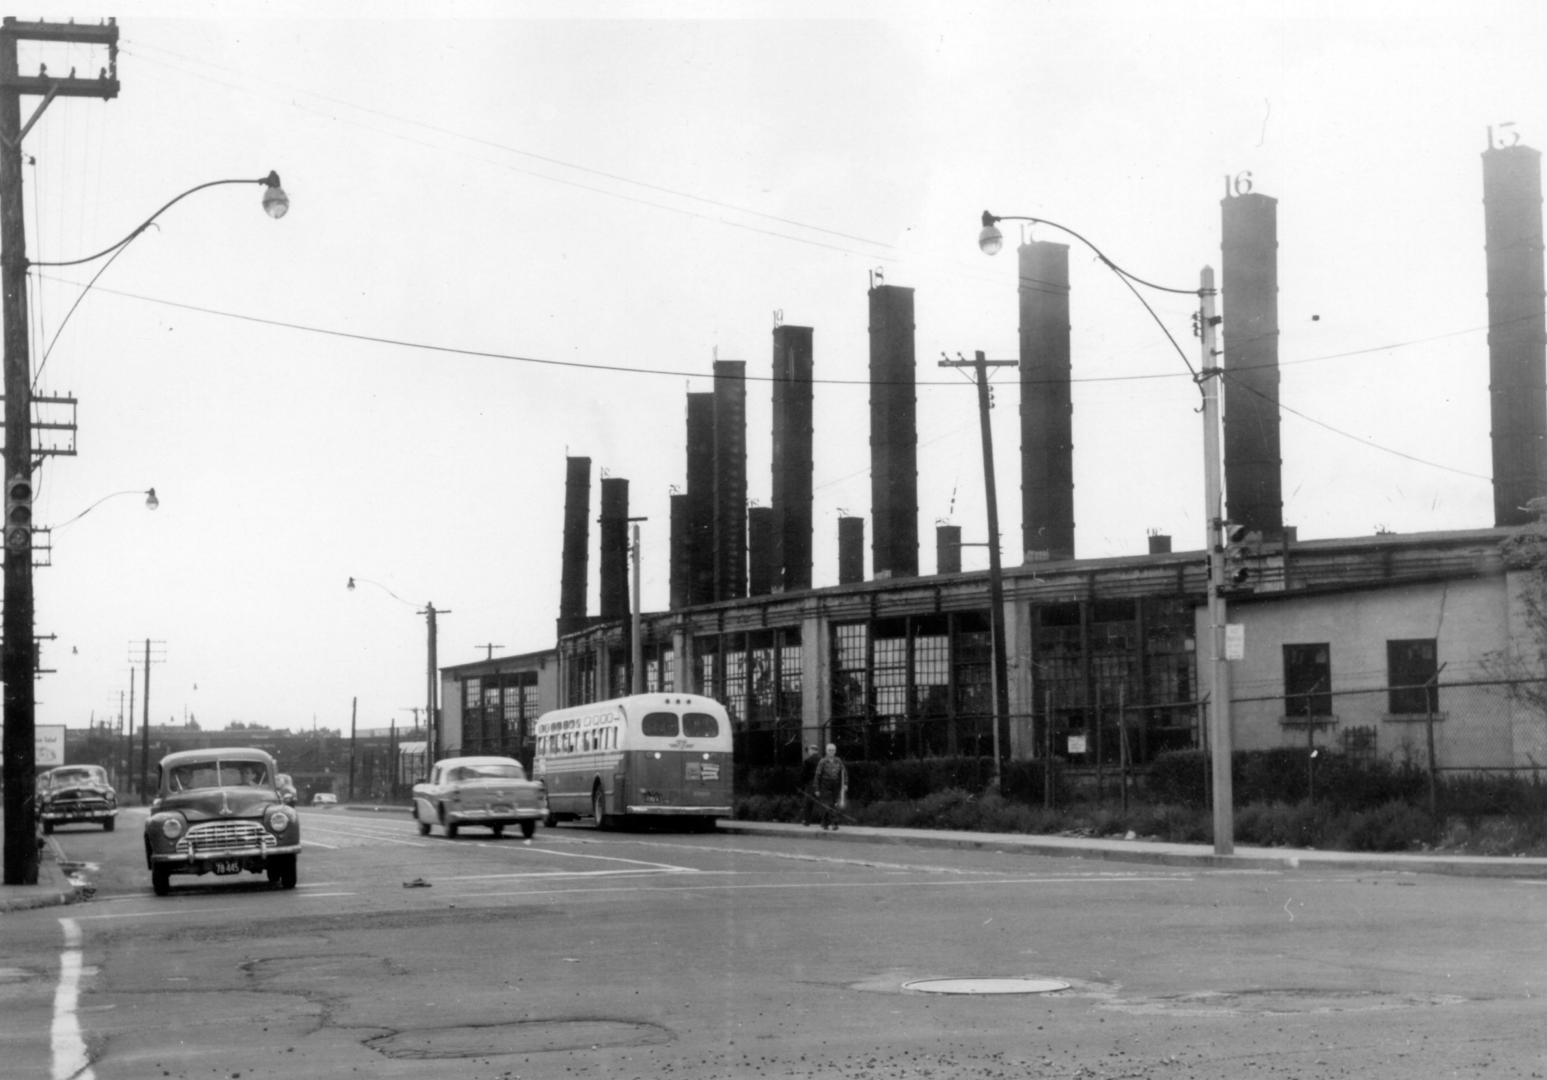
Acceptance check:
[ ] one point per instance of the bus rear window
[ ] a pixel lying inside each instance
(659, 723)
(697, 725)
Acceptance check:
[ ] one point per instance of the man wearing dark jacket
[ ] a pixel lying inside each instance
(831, 783)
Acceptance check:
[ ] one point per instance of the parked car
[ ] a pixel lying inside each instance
(324, 799)
(489, 791)
(219, 811)
(71, 793)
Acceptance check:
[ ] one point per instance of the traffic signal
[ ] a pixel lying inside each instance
(18, 513)
(1240, 544)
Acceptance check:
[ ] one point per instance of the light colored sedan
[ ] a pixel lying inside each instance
(488, 791)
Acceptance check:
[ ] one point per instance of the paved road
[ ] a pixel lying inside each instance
(586, 953)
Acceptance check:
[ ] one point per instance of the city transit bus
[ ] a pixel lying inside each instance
(643, 756)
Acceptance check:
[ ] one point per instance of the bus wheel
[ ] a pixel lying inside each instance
(599, 807)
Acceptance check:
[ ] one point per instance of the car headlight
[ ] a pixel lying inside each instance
(172, 827)
(279, 820)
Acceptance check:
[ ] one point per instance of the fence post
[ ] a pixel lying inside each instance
(1433, 786)
(1122, 741)
(1310, 753)
(1101, 791)
(1047, 751)
(1208, 751)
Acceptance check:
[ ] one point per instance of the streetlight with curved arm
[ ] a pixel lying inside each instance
(275, 203)
(991, 241)
(16, 630)
(431, 687)
(151, 503)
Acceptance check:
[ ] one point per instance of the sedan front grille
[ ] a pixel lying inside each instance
(71, 800)
(215, 837)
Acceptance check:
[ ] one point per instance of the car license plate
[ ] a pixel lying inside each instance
(227, 866)
(501, 808)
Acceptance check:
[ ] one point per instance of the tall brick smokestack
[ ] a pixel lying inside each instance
(948, 549)
(1517, 328)
(577, 540)
(700, 493)
(1249, 290)
(613, 525)
(730, 479)
(760, 550)
(681, 567)
(851, 550)
(1047, 410)
(894, 497)
(792, 457)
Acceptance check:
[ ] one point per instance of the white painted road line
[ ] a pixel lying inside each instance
(70, 1059)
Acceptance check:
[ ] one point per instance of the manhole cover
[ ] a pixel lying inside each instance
(986, 986)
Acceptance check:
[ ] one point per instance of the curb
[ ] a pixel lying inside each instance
(1176, 855)
(55, 886)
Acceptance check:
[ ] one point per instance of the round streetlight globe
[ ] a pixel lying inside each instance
(275, 202)
(990, 240)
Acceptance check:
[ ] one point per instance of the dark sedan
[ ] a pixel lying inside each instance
(74, 793)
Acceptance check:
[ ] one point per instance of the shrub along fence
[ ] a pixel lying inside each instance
(1282, 796)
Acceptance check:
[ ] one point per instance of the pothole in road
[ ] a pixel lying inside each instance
(307, 971)
(519, 1037)
(1018, 985)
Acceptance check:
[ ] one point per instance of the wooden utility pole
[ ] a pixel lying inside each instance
(16, 630)
(431, 685)
(980, 366)
(159, 658)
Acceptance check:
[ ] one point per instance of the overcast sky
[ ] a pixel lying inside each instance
(516, 237)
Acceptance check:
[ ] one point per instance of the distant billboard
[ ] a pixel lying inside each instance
(48, 742)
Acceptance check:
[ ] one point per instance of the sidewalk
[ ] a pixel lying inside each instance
(56, 887)
(1153, 852)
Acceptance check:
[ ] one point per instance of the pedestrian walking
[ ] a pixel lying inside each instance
(808, 781)
(831, 786)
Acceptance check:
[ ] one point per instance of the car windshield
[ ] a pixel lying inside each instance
(507, 771)
(208, 774)
(63, 777)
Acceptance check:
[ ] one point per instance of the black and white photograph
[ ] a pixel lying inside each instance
(773, 540)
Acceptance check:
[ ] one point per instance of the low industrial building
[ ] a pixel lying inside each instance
(1424, 647)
